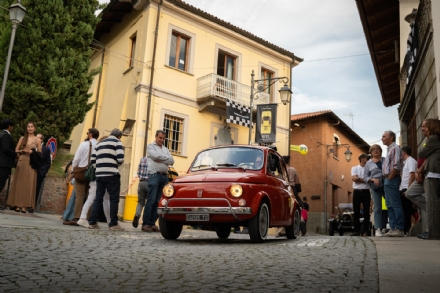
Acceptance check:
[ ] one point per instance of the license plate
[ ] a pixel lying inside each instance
(197, 217)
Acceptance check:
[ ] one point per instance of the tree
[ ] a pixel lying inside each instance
(49, 77)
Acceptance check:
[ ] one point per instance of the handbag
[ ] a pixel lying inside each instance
(36, 160)
(90, 173)
(298, 187)
(79, 172)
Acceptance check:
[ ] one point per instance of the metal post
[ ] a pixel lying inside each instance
(251, 106)
(8, 61)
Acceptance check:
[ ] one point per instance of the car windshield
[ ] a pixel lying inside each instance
(233, 157)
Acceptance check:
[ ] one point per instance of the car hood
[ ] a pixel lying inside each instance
(242, 177)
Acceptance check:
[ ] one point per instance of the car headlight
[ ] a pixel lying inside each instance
(236, 190)
(168, 190)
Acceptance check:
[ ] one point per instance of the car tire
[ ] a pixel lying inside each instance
(259, 225)
(293, 230)
(223, 232)
(331, 230)
(169, 230)
(341, 232)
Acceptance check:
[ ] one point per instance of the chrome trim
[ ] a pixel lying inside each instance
(229, 210)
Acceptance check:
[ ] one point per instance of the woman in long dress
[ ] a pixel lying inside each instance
(24, 185)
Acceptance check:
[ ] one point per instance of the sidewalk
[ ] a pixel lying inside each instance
(408, 264)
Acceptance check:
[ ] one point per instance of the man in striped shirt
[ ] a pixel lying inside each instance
(142, 174)
(106, 158)
(391, 173)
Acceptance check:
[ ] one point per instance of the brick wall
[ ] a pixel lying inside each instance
(53, 199)
(318, 165)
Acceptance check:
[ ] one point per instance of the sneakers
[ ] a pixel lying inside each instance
(116, 228)
(424, 235)
(396, 233)
(84, 223)
(378, 233)
(94, 226)
(135, 221)
(387, 234)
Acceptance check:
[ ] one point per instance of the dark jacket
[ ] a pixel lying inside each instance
(7, 150)
(431, 151)
(42, 171)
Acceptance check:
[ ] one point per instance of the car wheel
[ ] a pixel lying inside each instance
(169, 230)
(259, 225)
(341, 232)
(223, 232)
(331, 230)
(293, 230)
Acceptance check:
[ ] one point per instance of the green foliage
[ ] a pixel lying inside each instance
(49, 76)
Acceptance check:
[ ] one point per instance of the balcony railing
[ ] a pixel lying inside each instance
(216, 86)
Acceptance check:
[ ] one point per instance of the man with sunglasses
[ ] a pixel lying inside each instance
(82, 159)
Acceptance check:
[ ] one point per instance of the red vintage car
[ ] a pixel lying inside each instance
(231, 186)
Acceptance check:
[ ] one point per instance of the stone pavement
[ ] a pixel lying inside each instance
(39, 254)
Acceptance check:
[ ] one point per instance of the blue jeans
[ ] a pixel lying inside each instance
(113, 186)
(142, 196)
(156, 183)
(393, 202)
(377, 206)
(68, 213)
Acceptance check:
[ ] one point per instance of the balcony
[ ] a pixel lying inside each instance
(213, 90)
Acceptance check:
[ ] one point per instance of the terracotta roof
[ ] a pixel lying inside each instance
(116, 10)
(333, 119)
(302, 116)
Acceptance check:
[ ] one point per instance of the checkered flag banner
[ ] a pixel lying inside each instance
(237, 114)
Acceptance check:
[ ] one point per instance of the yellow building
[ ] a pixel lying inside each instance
(194, 62)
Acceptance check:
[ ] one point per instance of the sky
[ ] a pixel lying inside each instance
(326, 34)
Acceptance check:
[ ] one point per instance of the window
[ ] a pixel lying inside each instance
(179, 51)
(266, 74)
(173, 127)
(132, 51)
(226, 65)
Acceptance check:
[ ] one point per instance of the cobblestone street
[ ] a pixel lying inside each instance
(77, 260)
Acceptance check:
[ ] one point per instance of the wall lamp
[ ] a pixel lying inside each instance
(299, 125)
(331, 148)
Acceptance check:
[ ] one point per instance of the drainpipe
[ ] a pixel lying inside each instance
(150, 90)
(325, 204)
(99, 82)
(290, 106)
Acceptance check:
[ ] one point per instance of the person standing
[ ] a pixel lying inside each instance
(361, 195)
(24, 185)
(408, 176)
(158, 158)
(108, 157)
(431, 151)
(142, 174)
(7, 152)
(42, 171)
(82, 159)
(391, 173)
(373, 176)
(304, 217)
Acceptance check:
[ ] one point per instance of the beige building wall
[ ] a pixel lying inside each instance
(124, 91)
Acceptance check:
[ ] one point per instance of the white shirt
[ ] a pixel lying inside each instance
(409, 166)
(359, 171)
(81, 158)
